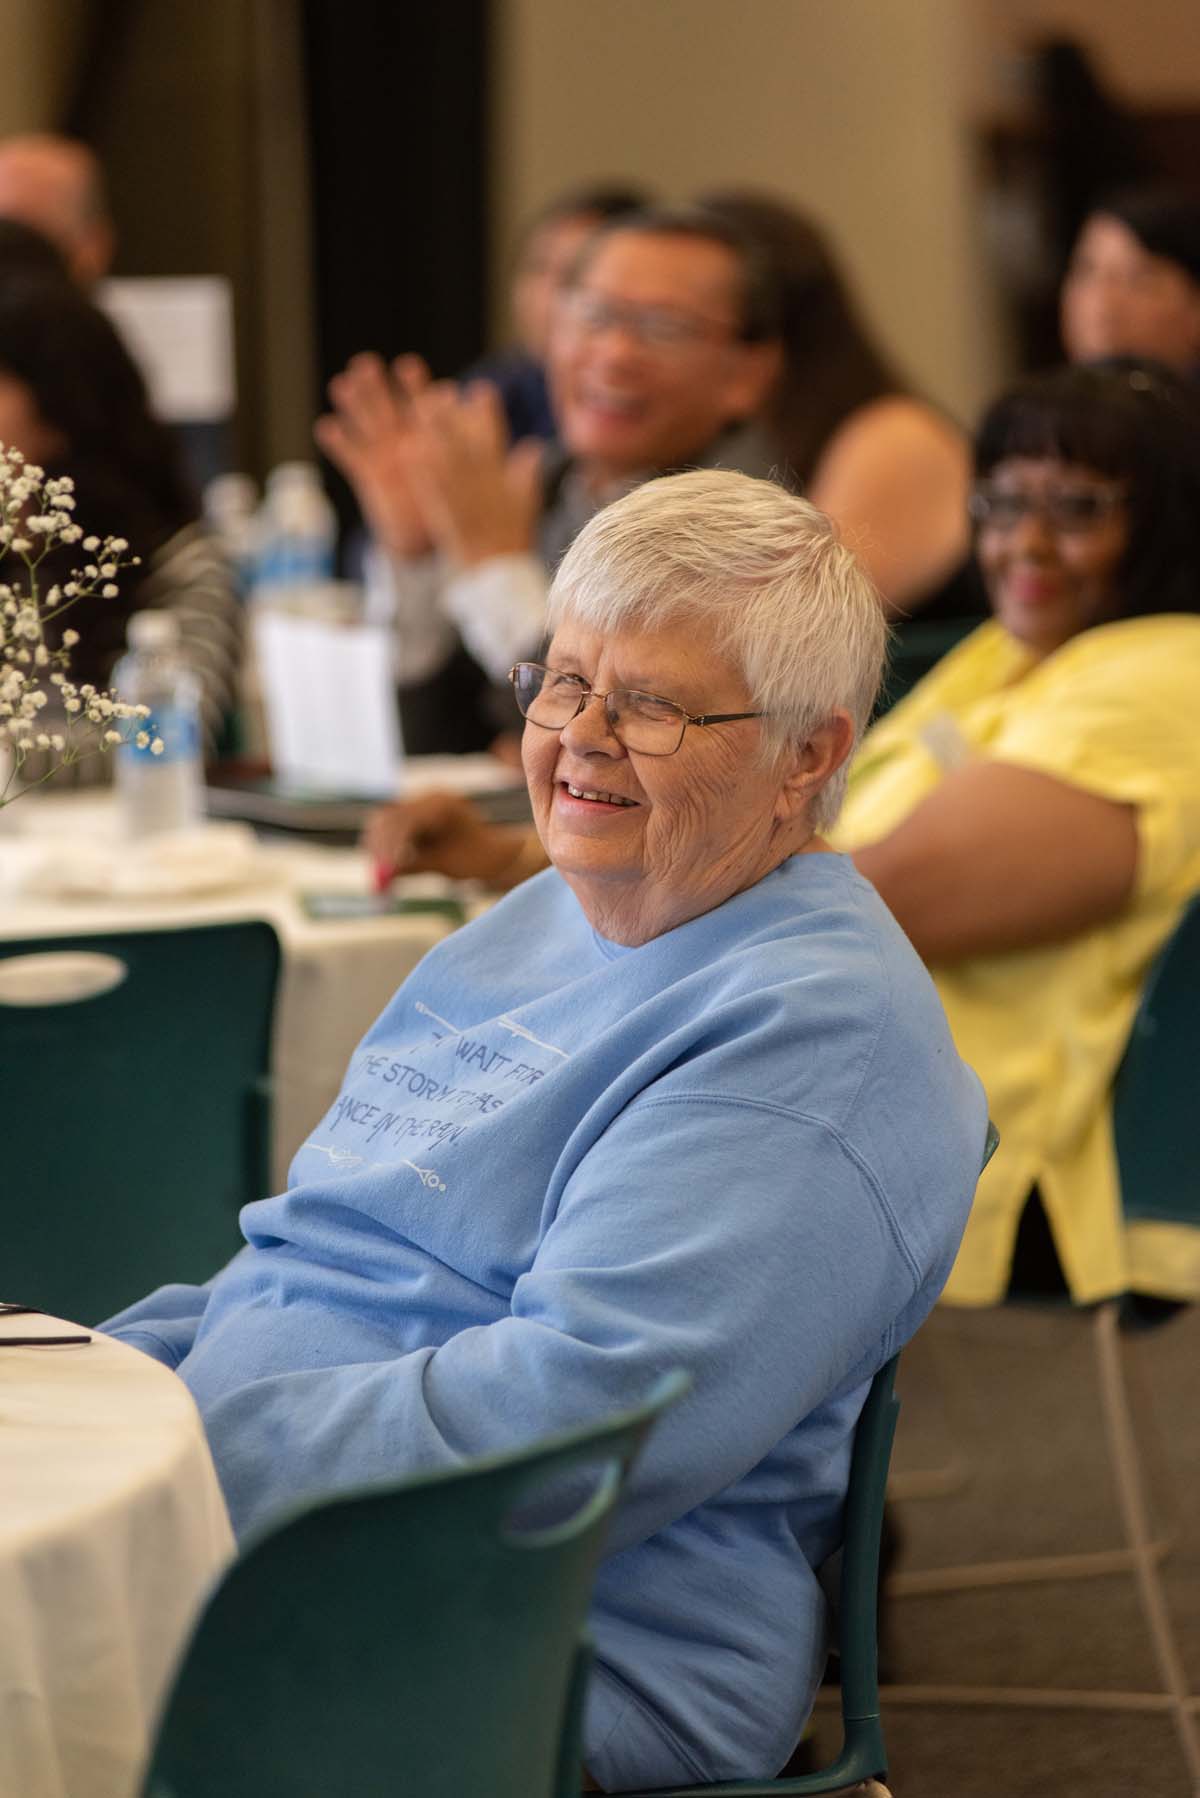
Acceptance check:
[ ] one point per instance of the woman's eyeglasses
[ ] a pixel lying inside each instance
(1065, 509)
(641, 721)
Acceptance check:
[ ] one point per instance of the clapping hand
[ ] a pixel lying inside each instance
(479, 497)
(367, 436)
(429, 463)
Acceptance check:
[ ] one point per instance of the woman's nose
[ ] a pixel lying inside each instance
(589, 731)
(1032, 533)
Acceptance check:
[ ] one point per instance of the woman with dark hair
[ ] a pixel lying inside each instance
(73, 400)
(1029, 811)
(1133, 284)
(890, 469)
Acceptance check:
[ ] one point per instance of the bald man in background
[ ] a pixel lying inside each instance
(56, 185)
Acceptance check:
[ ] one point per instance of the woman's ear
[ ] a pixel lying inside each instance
(810, 764)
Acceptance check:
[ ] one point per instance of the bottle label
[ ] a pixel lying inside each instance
(179, 729)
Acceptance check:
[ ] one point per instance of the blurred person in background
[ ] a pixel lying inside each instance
(1133, 284)
(1029, 812)
(56, 185)
(548, 250)
(891, 470)
(73, 401)
(665, 344)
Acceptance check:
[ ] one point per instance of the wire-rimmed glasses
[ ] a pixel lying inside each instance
(643, 722)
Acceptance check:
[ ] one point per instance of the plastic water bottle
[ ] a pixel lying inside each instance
(164, 791)
(297, 531)
(231, 510)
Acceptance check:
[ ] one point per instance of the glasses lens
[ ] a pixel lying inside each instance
(545, 697)
(999, 507)
(645, 723)
(1078, 510)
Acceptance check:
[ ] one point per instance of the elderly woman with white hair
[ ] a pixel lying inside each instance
(685, 1099)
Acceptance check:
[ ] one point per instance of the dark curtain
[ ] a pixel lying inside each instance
(397, 99)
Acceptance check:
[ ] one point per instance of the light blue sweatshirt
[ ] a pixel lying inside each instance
(559, 1167)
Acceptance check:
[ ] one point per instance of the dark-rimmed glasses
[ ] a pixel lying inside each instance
(642, 722)
(1067, 510)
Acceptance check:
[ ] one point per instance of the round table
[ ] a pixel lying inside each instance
(112, 1529)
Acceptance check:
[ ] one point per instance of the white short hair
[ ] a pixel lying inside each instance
(789, 603)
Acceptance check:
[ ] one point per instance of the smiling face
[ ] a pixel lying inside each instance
(1046, 583)
(647, 842)
(1120, 300)
(646, 363)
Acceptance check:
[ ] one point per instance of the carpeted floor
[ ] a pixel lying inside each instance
(1006, 1402)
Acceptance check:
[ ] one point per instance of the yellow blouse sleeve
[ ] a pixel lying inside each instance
(1117, 712)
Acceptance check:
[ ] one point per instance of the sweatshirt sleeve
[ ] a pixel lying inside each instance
(162, 1325)
(738, 1241)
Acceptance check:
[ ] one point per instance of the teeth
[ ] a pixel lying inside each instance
(607, 798)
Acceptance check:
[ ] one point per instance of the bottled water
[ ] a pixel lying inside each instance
(231, 511)
(165, 791)
(296, 531)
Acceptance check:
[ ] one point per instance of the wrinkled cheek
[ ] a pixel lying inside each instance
(681, 841)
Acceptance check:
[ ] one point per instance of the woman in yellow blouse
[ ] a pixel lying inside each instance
(1031, 812)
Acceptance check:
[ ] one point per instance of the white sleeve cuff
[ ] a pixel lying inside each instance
(406, 592)
(499, 607)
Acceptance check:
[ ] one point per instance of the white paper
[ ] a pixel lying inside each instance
(179, 330)
(330, 702)
(458, 774)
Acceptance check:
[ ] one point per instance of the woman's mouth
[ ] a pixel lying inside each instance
(594, 796)
(1031, 587)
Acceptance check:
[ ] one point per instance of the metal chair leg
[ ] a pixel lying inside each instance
(1131, 1496)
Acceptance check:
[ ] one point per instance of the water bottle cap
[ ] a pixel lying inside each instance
(293, 474)
(153, 630)
(230, 496)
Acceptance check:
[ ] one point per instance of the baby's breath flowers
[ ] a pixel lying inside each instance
(36, 515)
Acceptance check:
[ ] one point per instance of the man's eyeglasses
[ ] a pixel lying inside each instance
(654, 327)
(1065, 509)
(641, 721)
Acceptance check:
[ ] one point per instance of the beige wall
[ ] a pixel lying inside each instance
(38, 40)
(857, 109)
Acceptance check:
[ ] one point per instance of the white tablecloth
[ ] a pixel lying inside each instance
(112, 1528)
(335, 977)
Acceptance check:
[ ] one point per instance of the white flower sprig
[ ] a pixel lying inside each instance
(36, 515)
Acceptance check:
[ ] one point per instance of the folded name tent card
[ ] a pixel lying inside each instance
(179, 330)
(330, 703)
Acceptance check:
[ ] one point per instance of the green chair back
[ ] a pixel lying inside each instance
(863, 1754)
(136, 1118)
(419, 1638)
(1154, 1096)
(917, 646)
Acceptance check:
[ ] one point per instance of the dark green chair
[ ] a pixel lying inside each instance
(424, 1638)
(863, 1756)
(917, 646)
(136, 1108)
